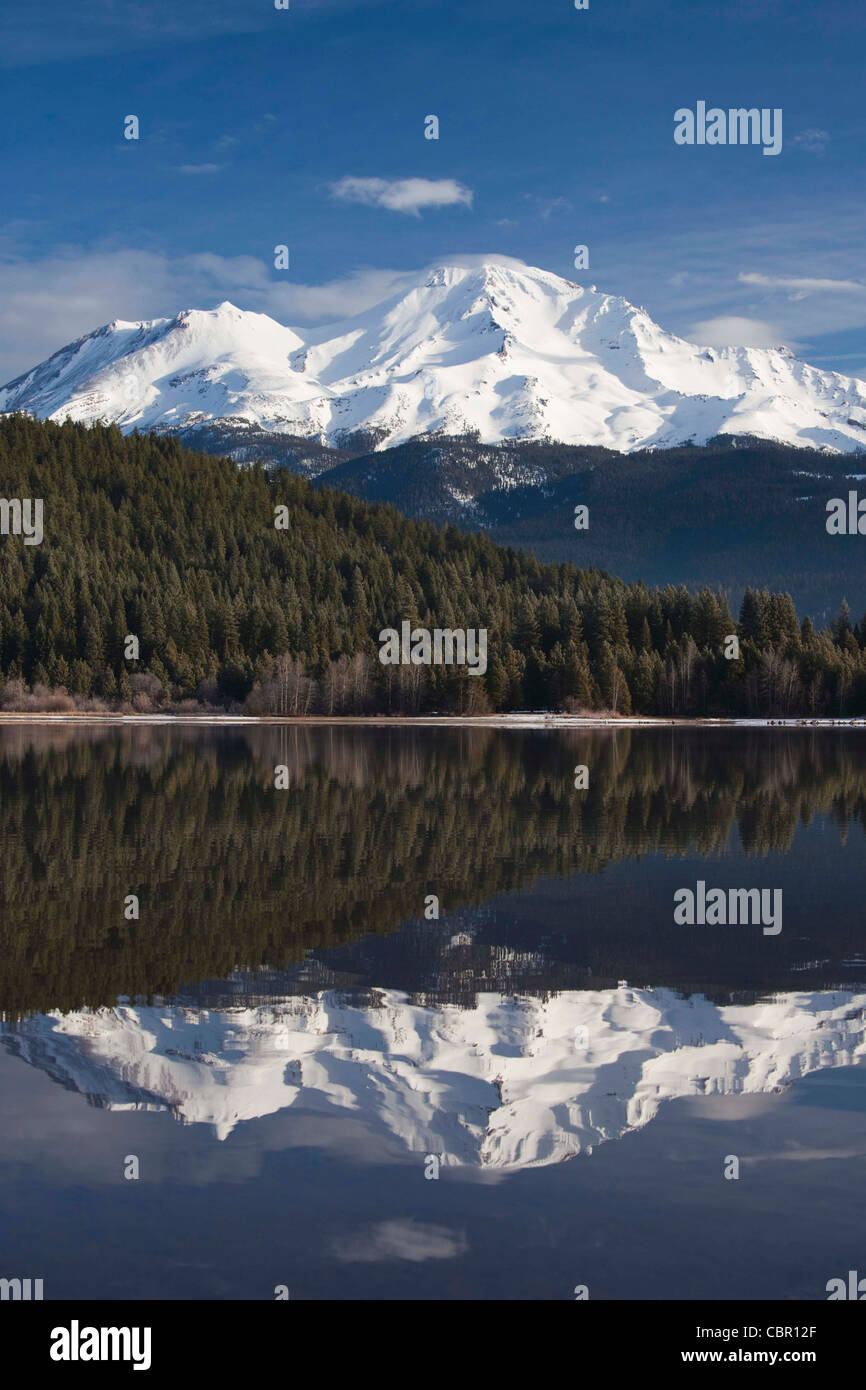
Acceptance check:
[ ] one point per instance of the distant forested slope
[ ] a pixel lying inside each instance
(739, 514)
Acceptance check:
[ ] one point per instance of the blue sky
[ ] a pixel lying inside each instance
(305, 127)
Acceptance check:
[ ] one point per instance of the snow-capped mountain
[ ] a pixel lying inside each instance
(509, 1083)
(511, 352)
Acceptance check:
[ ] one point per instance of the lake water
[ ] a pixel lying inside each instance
(288, 1072)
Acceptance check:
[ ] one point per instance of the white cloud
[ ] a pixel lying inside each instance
(803, 284)
(730, 331)
(339, 299)
(400, 1240)
(470, 259)
(803, 1155)
(45, 304)
(548, 207)
(200, 168)
(403, 195)
(815, 141)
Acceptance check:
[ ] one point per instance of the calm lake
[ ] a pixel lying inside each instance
(288, 1072)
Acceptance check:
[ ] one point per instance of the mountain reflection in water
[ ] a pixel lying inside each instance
(509, 1083)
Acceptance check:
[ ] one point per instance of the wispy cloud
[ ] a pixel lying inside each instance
(730, 331)
(802, 284)
(548, 207)
(403, 195)
(60, 32)
(49, 302)
(802, 1154)
(815, 141)
(412, 1241)
(56, 31)
(200, 168)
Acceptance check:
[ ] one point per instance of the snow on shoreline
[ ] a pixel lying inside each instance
(535, 720)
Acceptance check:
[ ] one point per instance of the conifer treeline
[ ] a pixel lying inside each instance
(180, 549)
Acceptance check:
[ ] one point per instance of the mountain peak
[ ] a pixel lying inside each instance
(224, 311)
(480, 344)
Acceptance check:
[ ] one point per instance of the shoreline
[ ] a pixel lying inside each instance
(482, 721)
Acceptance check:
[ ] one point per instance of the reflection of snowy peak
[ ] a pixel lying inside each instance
(507, 350)
(509, 1083)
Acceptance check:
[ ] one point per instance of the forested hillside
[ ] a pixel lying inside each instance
(179, 549)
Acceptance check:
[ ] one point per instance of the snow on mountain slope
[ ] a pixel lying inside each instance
(165, 373)
(512, 352)
(509, 1083)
